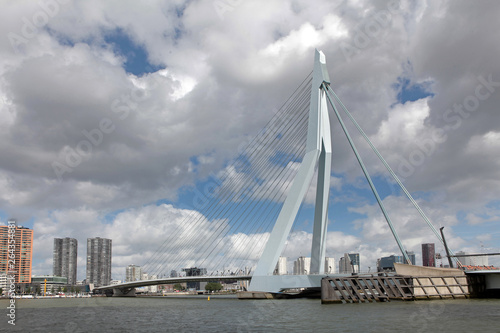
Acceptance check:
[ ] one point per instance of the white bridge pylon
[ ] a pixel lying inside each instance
(318, 153)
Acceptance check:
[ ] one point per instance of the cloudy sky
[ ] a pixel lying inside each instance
(113, 112)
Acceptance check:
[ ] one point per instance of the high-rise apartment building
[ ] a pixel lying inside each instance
(99, 261)
(349, 263)
(65, 258)
(428, 255)
(281, 268)
(133, 273)
(330, 266)
(468, 260)
(411, 255)
(16, 251)
(302, 266)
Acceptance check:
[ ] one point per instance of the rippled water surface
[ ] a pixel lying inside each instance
(170, 314)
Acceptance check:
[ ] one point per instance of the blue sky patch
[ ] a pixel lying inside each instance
(136, 56)
(3, 215)
(409, 91)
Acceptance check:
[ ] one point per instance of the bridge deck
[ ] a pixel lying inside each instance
(171, 280)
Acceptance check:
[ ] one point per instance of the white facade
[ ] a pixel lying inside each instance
(472, 261)
(302, 266)
(133, 273)
(330, 265)
(281, 266)
(151, 289)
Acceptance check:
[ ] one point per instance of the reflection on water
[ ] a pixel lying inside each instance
(228, 314)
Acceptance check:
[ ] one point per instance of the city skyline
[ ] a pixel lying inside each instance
(99, 249)
(117, 125)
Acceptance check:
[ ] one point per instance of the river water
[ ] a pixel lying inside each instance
(228, 314)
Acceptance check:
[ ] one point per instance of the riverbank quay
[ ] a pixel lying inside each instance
(410, 283)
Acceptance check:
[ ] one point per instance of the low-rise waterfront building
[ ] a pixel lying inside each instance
(50, 284)
(3, 283)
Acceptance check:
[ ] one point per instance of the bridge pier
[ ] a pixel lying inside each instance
(124, 292)
(487, 283)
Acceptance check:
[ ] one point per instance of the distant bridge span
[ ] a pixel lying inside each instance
(126, 287)
(286, 281)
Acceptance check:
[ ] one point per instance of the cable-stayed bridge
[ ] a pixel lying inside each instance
(244, 214)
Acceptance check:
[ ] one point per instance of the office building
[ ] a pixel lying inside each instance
(133, 273)
(22, 253)
(281, 268)
(330, 266)
(65, 258)
(428, 255)
(51, 284)
(195, 271)
(98, 261)
(349, 263)
(387, 263)
(411, 255)
(302, 266)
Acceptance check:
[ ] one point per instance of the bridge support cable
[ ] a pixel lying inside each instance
(225, 179)
(253, 219)
(276, 177)
(288, 123)
(211, 243)
(255, 246)
(368, 178)
(228, 180)
(297, 135)
(241, 218)
(389, 169)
